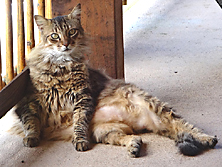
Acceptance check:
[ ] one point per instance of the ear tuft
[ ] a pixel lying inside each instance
(76, 12)
(41, 22)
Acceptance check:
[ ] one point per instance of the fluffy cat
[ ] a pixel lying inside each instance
(64, 92)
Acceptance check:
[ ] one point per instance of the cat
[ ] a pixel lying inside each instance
(59, 89)
(66, 93)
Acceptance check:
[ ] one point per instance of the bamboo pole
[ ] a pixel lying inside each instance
(1, 84)
(20, 37)
(48, 9)
(9, 42)
(30, 26)
(41, 11)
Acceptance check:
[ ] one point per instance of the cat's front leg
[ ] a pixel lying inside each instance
(83, 112)
(30, 118)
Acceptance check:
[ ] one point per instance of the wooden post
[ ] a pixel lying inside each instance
(119, 51)
(30, 26)
(9, 42)
(48, 9)
(20, 37)
(14, 92)
(103, 21)
(41, 11)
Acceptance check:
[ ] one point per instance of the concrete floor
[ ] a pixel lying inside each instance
(173, 50)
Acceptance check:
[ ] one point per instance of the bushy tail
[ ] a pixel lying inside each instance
(64, 134)
(11, 123)
(16, 128)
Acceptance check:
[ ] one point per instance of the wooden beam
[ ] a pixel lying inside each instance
(9, 42)
(219, 3)
(13, 92)
(102, 20)
(20, 37)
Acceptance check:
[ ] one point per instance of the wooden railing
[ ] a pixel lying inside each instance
(24, 46)
(44, 8)
(107, 41)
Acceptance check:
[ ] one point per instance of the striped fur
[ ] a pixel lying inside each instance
(59, 92)
(64, 92)
(123, 109)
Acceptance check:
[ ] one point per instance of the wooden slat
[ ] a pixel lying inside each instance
(20, 37)
(48, 9)
(124, 2)
(41, 7)
(9, 42)
(30, 26)
(41, 11)
(13, 92)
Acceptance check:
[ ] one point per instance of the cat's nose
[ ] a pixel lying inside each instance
(66, 43)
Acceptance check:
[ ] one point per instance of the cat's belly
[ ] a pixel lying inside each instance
(59, 119)
(137, 119)
(109, 114)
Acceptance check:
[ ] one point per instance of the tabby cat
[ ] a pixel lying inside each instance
(64, 92)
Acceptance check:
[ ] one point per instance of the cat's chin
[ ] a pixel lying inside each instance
(66, 50)
(58, 57)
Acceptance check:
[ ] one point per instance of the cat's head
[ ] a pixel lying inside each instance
(62, 34)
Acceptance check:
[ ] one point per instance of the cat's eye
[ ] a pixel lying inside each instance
(54, 36)
(73, 32)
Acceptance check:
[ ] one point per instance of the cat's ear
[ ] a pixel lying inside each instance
(76, 12)
(41, 22)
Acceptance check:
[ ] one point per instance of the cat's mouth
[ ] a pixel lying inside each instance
(65, 50)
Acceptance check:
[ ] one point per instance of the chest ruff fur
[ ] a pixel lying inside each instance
(57, 90)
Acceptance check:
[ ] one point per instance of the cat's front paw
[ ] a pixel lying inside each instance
(30, 141)
(81, 145)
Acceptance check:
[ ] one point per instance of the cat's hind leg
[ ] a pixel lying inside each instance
(190, 140)
(158, 117)
(117, 134)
